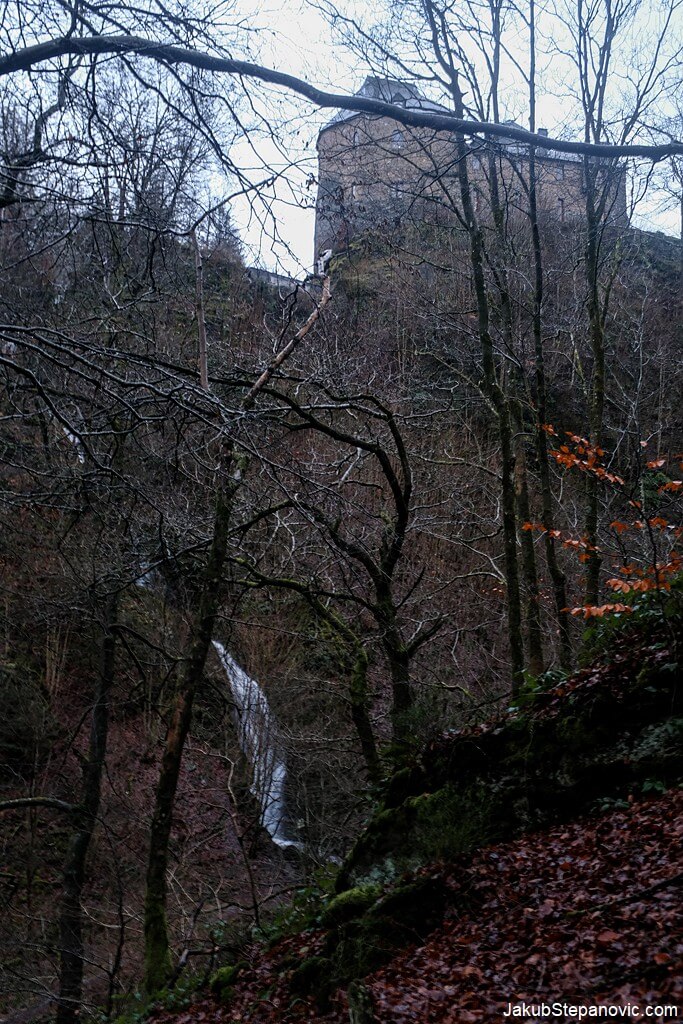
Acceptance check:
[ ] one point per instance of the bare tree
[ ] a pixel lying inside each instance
(126, 415)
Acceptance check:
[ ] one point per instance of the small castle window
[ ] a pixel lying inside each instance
(559, 172)
(560, 207)
(397, 139)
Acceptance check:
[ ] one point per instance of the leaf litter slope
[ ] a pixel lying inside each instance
(586, 913)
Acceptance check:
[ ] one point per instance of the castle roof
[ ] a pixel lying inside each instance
(401, 94)
(520, 149)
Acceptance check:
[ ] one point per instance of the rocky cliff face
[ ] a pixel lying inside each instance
(599, 735)
(590, 742)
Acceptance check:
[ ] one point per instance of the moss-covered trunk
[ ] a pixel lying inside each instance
(402, 695)
(359, 699)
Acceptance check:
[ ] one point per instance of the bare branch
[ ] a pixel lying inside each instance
(23, 60)
(38, 801)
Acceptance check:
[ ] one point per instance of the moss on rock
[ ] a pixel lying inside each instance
(222, 982)
(313, 977)
(369, 927)
(432, 826)
(349, 904)
(601, 734)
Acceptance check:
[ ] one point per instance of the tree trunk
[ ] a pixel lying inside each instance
(157, 950)
(597, 388)
(501, 407)
(398, 660)
(557, 576)
(356, 663)
(358, 695)
(521, 483)
(202, 361)
(529, 569)
(71, 923)
(403, 698)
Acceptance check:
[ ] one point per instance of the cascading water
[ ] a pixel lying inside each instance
(75, 441)
(258, 741)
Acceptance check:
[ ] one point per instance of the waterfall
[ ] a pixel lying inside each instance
(146, 578)
(75, 441)
(258, 740)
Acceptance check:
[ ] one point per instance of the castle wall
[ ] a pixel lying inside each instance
(374, 173)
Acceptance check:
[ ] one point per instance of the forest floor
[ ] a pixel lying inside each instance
(588, 914)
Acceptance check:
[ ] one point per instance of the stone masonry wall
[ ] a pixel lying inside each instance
(374, 172)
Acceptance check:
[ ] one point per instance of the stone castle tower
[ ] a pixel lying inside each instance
(374, 173)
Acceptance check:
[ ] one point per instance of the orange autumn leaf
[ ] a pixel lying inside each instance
(655, 463)
(619, 526)
(577, 439)
(597, 611)
(672, 566)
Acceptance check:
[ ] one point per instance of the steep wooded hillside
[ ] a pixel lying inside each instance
(578, 901)
(295, 572)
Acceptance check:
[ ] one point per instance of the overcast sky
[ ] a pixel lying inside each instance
(296, 38)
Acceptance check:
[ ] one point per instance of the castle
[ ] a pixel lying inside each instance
(374, 173)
